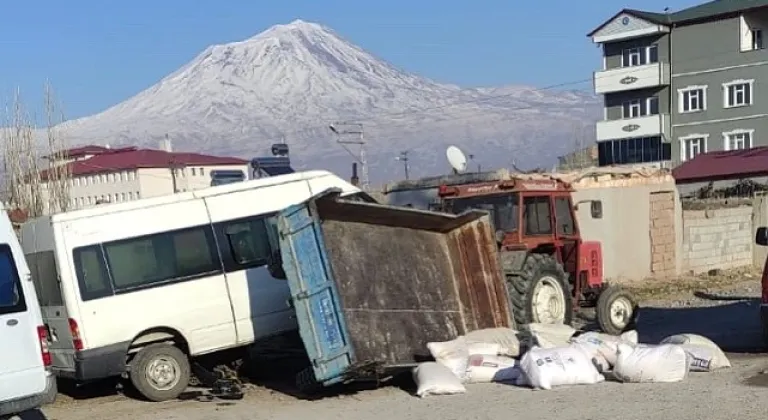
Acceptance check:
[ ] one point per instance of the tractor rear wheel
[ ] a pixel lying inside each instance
(540, 292)
(616, 310)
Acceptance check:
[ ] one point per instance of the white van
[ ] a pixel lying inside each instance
(25, 379)
(136, 287)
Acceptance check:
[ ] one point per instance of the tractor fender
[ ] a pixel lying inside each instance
(512, 261)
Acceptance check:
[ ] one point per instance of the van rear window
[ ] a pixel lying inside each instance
(42, 266)
(11, 295)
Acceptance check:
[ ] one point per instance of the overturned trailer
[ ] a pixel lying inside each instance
(373, 284)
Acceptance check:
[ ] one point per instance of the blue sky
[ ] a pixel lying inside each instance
(97, 53)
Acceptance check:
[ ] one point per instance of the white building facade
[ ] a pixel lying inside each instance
(102, 175)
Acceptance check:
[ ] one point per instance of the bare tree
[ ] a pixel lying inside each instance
(32, 185)
(58, 171)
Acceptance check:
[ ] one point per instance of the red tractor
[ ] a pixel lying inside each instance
(548, 267)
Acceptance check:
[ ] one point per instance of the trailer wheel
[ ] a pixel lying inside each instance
(616, 310)
(540, 292)
(160, 372)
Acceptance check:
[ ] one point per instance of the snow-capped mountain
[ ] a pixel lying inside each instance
(291, 81)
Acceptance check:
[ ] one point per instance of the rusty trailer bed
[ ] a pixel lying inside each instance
(372, 284)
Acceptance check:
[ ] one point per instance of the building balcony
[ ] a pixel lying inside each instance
(647, 126)
(631, 78)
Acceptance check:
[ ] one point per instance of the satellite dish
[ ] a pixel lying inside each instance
(456, 158)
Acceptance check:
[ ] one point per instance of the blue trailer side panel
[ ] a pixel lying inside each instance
(316, 300)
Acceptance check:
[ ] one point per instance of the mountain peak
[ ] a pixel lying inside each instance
(295, 77)
(297, 26)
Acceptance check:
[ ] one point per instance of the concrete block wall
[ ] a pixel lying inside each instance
(716, 238)
(662, 234)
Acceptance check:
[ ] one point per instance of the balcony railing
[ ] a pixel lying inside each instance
(647, 126)
(630, 78)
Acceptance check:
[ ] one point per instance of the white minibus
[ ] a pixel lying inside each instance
(136, 288)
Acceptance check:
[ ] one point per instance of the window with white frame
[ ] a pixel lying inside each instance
(632, 109)
(757, 39)
(640, 107)
(630, 57)
(738, 139)
(692, 146)
(692, 99)
(640, 56)
(737, 93)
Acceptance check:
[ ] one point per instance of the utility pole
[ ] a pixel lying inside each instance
(348, 133)
(404, 158)
(174, 167)
(472, 159)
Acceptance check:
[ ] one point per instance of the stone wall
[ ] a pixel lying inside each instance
(718, 238)
(662, 234)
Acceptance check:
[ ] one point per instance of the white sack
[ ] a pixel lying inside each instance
(597, 359)
(488, 349)
(705, 359)
(662, 363)
(433, 378)
(604, 346)
(451, 354)
(546, 368)
(484, 369)
(710, 359)
(548, 335)
(506, 338)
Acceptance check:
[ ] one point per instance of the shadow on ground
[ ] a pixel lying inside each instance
(735, 326)
(96, 389)
(279, 375)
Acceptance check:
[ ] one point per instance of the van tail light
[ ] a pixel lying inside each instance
(75, 331)
(764, 284)
(764, 287)
(42, 335)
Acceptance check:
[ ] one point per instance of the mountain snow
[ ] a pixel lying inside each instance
(291, 81)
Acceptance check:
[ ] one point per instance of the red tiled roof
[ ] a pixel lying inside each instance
(90, 150)
(17, 216)
(714, 166)
(111, 160)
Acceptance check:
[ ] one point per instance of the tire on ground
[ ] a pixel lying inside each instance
(167, 361)
(605, 302)
(520, 287)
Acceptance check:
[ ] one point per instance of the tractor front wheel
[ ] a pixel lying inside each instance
(616, 310)
(540, 292)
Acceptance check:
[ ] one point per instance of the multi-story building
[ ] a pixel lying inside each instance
(679, 84)
(102, 175)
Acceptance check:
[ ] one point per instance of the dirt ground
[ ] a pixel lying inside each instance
(723, 307)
